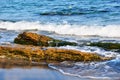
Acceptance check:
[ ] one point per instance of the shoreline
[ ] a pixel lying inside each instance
(34, 74)
(16, 59)
(9, 69)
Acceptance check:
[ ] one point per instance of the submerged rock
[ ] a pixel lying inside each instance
(33, 53)
(29, 38)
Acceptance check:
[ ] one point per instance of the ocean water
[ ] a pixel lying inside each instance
(80, 21)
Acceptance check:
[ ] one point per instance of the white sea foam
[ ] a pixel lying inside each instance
(93, 70)
(77, 75)
(96, 50)
(106, 31)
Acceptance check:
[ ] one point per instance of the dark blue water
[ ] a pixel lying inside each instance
(58, 11)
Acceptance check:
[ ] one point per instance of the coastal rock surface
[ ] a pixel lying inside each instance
(33, 53)
(29, 38)
(36, 48)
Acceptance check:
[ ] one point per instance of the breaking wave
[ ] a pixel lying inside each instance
(81, 30)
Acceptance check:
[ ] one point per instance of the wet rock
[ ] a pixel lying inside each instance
(1, 29)
(107, 46)
(66, 64)
(29, 38)
(33, 53)
(16, 63)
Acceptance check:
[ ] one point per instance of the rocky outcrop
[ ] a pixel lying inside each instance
(33, 53)
(35, 49)
(29, 38)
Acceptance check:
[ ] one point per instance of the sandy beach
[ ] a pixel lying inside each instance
(33, 73)
(24, 70)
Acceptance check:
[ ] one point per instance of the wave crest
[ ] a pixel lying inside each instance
(104, 31)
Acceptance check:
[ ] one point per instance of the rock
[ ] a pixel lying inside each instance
(107, 46)
(29, 38)
(33, 53)
(16, 63)
(1, 29)
(66, 64)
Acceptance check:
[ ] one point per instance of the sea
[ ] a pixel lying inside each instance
(80, 21)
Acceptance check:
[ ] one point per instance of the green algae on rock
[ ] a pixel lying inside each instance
(29, 38)
(33, 53)
(106, 46)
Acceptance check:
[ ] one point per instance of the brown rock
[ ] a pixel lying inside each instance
(33, 53)
(29, 38)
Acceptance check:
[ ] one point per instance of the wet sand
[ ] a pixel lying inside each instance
(33, 73)
(11, 69)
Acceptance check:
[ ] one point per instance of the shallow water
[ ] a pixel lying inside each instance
(95, 70)
(33, 73)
